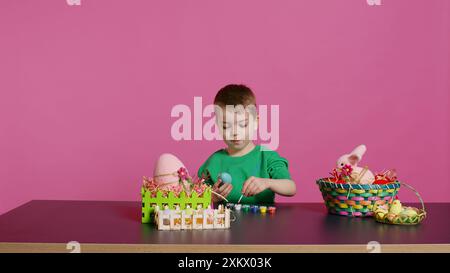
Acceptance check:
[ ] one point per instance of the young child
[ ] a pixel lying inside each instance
(257, 173)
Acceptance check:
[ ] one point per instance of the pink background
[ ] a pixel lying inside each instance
(86, 91)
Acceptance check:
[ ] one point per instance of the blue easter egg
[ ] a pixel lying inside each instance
(225, 177)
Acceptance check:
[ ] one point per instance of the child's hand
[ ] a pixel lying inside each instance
(254, 185)
(223, 189)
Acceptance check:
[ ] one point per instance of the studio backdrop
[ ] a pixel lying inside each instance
(89, 89)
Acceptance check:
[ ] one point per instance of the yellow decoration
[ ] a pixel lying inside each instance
(408, 212)
(396, 207)
(396, 214)
(380, 214)
(391, 216)
(381, 211)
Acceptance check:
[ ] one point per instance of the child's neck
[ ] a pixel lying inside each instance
(247, 149)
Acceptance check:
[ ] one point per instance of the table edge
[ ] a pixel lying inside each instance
(219, 248)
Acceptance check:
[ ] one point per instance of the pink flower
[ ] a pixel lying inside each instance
(346, 170)
(175, 189)
(183, 173)
(199, 188)
(150, 185)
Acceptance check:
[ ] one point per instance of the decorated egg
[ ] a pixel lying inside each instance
(408, 212)
(380, 214)
(225, 177)
(381, 211)
(165, 173)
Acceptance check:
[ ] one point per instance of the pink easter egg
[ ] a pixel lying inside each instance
(165, 173)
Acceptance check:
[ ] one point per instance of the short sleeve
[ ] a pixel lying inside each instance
(200, 171)
(278, 167)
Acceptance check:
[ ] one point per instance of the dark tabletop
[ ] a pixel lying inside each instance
(109, 222)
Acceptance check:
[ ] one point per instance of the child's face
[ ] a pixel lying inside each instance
(237, 125)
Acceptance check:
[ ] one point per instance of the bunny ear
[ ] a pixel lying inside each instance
(359, 151)
(354, 159)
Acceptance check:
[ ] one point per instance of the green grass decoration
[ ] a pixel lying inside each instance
(171, 201)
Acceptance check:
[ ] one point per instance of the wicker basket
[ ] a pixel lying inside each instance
(355, 200)
(403, 219)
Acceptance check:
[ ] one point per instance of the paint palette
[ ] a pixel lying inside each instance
(252, 208)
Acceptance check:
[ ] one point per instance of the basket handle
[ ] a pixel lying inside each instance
(416, 193)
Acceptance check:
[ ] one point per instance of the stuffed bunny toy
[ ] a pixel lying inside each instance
(359, 175)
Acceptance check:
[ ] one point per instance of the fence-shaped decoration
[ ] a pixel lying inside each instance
(170, 219)
(182, 201)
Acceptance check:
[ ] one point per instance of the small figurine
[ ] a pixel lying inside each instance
(360, 175)
(396, 207)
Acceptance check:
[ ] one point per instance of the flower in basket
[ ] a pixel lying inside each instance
(335, 177)
(175, 189)
(170, 175)
(386, 177)
(342, 175)
(199, 188)
(346, 170)
(183, 174)
(391, 175)
(150, 185)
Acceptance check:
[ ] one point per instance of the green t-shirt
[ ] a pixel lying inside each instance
(260, 162)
